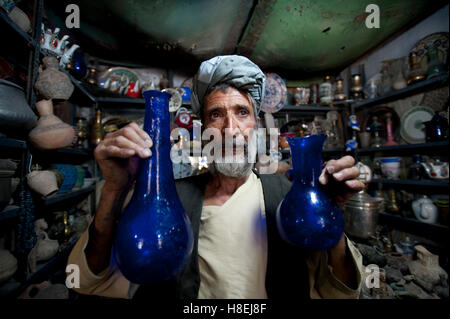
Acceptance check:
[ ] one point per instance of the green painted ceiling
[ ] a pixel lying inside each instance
(307, 36)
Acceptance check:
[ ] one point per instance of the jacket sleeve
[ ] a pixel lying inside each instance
(108, 283)
(324, 284)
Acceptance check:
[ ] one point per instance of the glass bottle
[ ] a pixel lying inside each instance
(416, 170)
(97, 133)
(376, 127)
(435, 66)
(386, 80)
(154, 236)
(319, 224)
(326, 91)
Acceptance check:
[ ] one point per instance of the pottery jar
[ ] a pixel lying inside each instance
(51, 132)
(52, 83)
(43, 182)
(44, 249)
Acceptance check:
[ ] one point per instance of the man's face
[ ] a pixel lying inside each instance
(230, 109)
(231, 113)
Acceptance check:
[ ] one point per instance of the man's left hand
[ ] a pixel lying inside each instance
(339, 179)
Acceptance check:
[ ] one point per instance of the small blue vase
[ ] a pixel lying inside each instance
(79, 65)
(307, 218)
(154, 236)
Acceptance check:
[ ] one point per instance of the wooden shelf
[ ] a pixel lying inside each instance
(407, 182)
(308, 108)
(12, 143)
(16, 144)
(414, 226)
(328, 150)
(408, 91)
(56, 262)
(408, 147)
(59, 198)
(6, 20)
(10, 212)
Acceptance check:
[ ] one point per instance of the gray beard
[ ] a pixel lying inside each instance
(237, 170)
(234, 165)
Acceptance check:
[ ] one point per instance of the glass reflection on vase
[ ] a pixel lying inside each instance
(307, 218)
(154, 236)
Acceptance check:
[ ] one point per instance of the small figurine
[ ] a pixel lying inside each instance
(351, 145)
(353, 122)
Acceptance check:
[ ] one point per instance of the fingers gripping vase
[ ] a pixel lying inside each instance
(154, 236)
(307, 218)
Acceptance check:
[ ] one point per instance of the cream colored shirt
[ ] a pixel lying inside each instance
(232, 245)
(233, 278)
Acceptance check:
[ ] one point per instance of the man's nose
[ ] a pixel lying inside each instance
(230, 124)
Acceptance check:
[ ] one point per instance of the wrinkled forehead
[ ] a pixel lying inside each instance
(226, 98)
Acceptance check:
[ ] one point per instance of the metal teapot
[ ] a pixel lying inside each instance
(362, 210)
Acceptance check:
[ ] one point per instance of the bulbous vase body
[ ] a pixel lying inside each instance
(307, 218)
(154, 236)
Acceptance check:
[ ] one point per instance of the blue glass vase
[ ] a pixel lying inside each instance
(154, 236)
(307, 218)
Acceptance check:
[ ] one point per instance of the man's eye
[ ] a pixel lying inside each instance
(243, 112)
(215, 115)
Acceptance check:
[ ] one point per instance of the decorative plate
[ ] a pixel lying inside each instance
(275, 95)
(412, 130)
(175, 101)
(439, 40)
(118, 79)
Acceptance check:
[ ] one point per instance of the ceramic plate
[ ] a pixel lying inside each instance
(175, 101)
(118, 79)
(412, 130)
(275, 94)
(439, 40)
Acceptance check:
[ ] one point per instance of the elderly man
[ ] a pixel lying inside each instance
(238, 252)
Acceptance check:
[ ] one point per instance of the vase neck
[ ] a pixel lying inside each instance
(155, 175)
(44, 107)
(307, 158)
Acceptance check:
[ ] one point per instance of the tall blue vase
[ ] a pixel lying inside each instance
(307, 218)
(154, 236)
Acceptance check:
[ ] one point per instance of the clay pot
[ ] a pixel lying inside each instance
(8, 265)
(52, 83)
(20, 18)
(44, 249)
(45, 290)
(43, 182)
(50, 132)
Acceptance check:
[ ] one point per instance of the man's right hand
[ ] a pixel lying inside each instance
(117, 156)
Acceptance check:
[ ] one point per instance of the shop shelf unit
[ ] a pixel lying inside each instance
(433, 231)
(20, 149)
